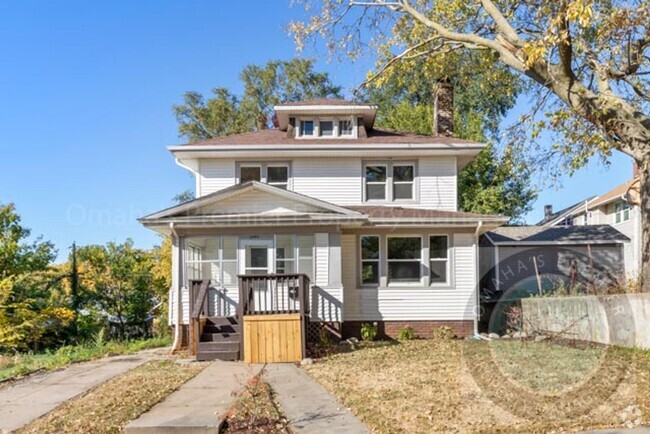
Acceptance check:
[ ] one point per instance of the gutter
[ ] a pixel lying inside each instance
(193, 172)
(477, 277)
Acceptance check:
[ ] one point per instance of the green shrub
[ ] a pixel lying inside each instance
(406, 333)
(369, 331)
(443, 333)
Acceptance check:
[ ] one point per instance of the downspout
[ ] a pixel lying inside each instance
(179, 307)
(477, 277)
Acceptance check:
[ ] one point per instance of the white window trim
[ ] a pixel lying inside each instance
(352, 125)
(361, 261)
(317, 130)
(619, 211)
(389, 191)
(419, 283)
(264, 171)
(447, 282)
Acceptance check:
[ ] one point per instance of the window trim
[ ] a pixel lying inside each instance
(447, 281)
(317, 130)
(378, 261)
(334, 128)
(264, 165)
(620, 210)
(390, 183)
(365, 182)
(340, 131)
(313, 130)
(418, 283)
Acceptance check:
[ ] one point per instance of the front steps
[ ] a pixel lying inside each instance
(220, 339)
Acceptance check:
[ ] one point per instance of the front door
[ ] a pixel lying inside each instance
(256, 258)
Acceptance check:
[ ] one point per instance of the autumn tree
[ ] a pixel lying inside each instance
(497, 181)
(585, 64)
(264, 86)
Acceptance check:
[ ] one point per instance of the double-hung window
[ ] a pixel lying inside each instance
(438, 258)
(403, 181)
(369, 260)
(621, 212)
(345, 128)
(306, 128)
(326, 128)
(389, 182)
(274, 174)
(404, 260)
(376, 181)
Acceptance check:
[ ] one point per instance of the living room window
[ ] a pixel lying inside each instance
(369, 260)
(404, 259)
(438, 258)
(275, 174)
(389, 182)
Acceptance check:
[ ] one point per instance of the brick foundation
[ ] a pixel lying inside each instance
(423, 329)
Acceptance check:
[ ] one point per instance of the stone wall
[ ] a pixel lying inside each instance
(615, 319)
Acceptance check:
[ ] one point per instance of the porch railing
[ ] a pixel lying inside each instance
(272, 294)
(275, 294)
(198, 297)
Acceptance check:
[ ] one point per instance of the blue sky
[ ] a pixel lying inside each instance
(86, 90)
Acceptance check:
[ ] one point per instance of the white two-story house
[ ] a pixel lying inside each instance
(369, 216)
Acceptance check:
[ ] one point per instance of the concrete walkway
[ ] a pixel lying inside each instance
(26, 400)
(637, 430)
(308, 407)
(200, 405)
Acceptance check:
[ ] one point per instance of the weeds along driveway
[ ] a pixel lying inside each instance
(498, 386)
(34, 396)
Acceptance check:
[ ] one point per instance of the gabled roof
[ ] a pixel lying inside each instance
(613, 195)
(564, 213)
(189, 209)
(525, 235)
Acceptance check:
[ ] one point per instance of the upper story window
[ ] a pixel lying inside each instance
(389, 182)
(306, 128)
(621, 212)
(326, 128)
(345, 128)
(275, 174)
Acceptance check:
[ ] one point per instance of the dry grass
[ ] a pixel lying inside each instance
(256, 411)
(505, 386)
(109, 407)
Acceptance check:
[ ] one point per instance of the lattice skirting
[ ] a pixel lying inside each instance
(317, 330)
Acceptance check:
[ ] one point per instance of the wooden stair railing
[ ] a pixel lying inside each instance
(198, 298)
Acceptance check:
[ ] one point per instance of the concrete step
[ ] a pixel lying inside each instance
(219, 346)
(217, 355)
(220, 337)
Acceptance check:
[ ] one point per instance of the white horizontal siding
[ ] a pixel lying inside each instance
(438, 189)
(253, 202)
(336, 180)
(416, 303)
(215, 175)
(321, 250)
(185, 315)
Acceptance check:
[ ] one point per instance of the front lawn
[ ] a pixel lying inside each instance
(13, 366)
(499, 386)
(112, 405)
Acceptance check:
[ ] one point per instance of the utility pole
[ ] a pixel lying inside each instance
(74, 285)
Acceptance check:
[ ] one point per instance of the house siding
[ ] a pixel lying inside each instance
(340, 180)
(456, 302)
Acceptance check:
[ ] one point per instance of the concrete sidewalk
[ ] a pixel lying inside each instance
(28, 399)
(308, 407)
(200, 405)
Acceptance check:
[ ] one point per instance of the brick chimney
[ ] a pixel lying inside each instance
(548, 211)
(443, 109)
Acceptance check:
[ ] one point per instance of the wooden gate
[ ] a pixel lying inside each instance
(273, 338)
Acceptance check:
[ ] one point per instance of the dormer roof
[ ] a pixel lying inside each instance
(325, 107)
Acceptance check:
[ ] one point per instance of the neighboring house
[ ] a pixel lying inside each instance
(564, 217)
(519, 261)
(613, 208)
(369, 215)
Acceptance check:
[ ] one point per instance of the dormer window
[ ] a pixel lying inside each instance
(345, 128)
(326, 128)
(306, 128)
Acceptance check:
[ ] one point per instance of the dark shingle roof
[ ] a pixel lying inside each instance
(375, 136)
(323, 101)
(398, 212)
(567, 210)
(559, 234)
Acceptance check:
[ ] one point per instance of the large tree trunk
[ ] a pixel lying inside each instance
(644, 204)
